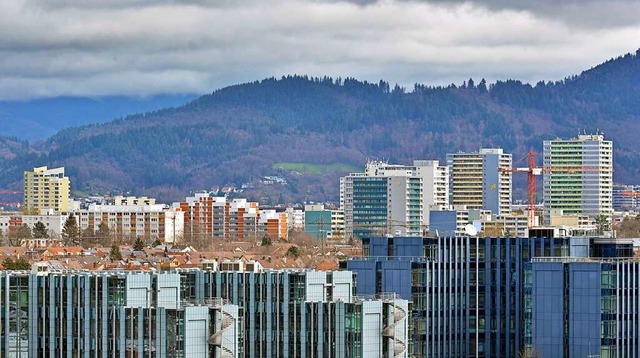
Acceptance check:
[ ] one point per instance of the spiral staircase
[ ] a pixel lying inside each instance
(399, 346)
(215, 340)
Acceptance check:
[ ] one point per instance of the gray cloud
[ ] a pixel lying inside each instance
(589, 13)
(142, 47)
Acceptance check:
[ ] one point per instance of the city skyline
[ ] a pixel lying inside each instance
(319, 178)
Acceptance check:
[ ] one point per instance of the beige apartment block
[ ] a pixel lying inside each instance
(46, 188)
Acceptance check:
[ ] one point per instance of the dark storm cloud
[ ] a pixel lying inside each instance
(141, 47)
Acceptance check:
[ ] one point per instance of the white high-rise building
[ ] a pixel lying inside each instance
(578, 176)
(393, 199)
(435, 183)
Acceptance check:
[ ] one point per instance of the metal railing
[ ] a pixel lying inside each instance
(584, 259)
(210, 302)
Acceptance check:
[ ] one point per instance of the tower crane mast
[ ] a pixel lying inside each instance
(532, 171)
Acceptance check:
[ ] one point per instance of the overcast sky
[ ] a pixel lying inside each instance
(143, 47)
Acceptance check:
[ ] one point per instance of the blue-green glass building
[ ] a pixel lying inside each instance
(244, 312)
(582, 307)
(111, 314)
(306, 313)
(466, 292)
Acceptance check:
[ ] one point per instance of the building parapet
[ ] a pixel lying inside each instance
(584, 259)
(213, 302)
(391, 258)
(382, 296)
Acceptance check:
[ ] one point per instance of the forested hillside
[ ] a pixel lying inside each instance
(39, 119)
(238, 134)
(11, 147)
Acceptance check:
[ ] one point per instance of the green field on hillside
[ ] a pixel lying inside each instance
(310, 168)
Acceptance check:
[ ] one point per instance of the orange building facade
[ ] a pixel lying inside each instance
(218, 218)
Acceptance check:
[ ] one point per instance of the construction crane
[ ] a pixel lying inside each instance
(532, 171)
(632, 194)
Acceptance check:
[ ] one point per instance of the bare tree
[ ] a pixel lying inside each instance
(15, 236)
(530, 353)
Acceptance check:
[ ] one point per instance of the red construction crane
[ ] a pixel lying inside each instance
(7, 191)
(532, 171)
(633, 194)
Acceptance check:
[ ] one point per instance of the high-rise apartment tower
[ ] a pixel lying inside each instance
(46, 189)
(588, 188)
(477, 181)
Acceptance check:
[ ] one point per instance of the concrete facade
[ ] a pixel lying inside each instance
(147, 221)
(476, 181)
(46, 188)
(209, 217)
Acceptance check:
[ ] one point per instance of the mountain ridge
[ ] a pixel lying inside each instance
(38, 119)
(236, 134)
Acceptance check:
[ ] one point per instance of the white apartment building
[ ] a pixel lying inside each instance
(295, 219)
(133, 200)
(54, 224)
(148, 221)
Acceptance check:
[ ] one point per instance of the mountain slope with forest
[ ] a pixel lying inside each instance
(39, 119)
(241, 133)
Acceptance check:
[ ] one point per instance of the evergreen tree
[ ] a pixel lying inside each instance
(471, 84)
(138, 245)
(482, 86)
(603, 224)
(71, 231)
(40, 231)
(294, 251)
(19, 263)
(115, 253)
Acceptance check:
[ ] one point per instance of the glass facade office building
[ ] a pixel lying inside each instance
(111, 314)
(466, 293)
(301, 313)
(198, 313)
(383, 205)
(582, 308)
